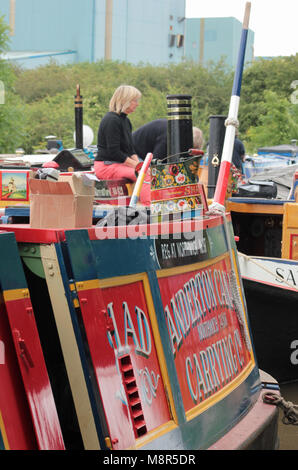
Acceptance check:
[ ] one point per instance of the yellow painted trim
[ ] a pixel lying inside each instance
(212, 400)
(86, 285)
(289, 228)
(16, 294)
(254, 208)
(190, 267)
(155, 434)
(13, 203)
(122, 280)
(3, 433)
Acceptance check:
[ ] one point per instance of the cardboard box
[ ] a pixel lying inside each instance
(67, 203)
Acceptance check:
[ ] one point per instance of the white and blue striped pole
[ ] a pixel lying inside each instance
(231, 122)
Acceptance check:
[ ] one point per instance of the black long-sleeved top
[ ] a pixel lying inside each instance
(152, 137)
(114, 138)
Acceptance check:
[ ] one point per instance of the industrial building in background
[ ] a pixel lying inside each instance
(135, 31)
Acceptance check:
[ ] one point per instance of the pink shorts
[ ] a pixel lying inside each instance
(117, 171)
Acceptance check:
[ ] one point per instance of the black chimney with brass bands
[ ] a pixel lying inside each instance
(216, 140)
(179, 138)
(79, 119)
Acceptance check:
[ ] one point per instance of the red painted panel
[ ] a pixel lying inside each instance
(106, 369)
(127, 306)
(122, 327)
(14, 409)
(204, 330)
(34, 374)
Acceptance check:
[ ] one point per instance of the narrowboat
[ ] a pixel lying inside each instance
(124, 328)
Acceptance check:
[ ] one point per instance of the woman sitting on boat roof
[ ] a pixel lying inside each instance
(116, 158)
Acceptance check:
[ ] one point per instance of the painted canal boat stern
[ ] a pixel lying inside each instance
(143, 341)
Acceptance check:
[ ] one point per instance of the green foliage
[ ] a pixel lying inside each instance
(4, 38)
(34, 85)
(48, 93)
(40, 102)
(11, 125)
(277, 123)
(263, 75)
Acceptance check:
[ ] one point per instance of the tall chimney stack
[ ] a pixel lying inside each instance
(179, 137)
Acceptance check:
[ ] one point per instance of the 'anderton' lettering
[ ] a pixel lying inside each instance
(202, 306)
(205, 292)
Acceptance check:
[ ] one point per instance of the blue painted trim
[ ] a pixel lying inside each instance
(267, 202)
(11, 269)
(2, 447)
(15, 211)
(239, 68)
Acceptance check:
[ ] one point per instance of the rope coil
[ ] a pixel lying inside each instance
(230, 121)
(290, 410)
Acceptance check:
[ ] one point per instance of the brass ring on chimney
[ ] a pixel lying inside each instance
(179, 110)
(180, 116)
(178, 102)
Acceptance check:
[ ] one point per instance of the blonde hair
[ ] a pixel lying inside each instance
(198, 139)
(122, 98)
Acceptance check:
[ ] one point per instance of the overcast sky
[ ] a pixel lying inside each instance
(274, 22)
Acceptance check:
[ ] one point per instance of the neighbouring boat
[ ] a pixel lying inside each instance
(132, 333)
(268, 256)
(275, 157)
(281, 150)
(254, 165)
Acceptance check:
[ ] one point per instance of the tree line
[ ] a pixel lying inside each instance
(40, 102)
